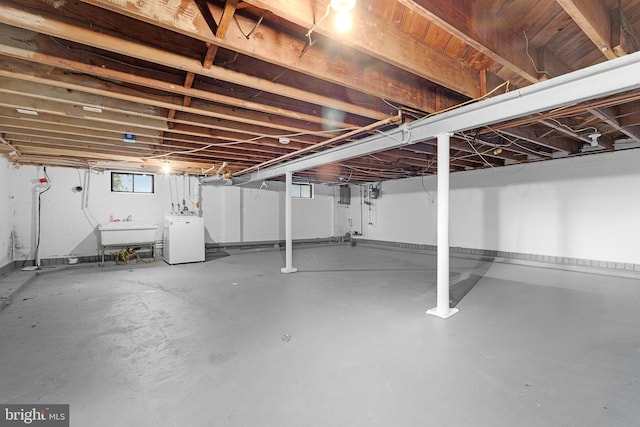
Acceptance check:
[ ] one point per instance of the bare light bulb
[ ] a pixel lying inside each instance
(343, 22)
(166, 168)
(343, 5)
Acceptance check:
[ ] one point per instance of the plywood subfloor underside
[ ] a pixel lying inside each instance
(204, 344)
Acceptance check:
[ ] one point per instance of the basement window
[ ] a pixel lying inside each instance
(302, 191)
(131, 183)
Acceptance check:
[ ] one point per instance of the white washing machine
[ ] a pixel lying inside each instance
(183, 239)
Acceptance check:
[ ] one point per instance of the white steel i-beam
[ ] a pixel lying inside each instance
(443, 310)
(288, 268)
(607, 78)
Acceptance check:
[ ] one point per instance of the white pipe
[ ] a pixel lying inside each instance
(288, 228)
(442, 309)
(215, 180)
(219, 171)
(218, 178)
(8, 144)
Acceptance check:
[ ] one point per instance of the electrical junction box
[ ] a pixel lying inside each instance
(345, 195)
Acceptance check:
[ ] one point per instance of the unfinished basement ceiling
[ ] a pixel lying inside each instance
(200, 84)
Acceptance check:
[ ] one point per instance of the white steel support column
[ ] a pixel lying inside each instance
(443, 310)
(288, 268)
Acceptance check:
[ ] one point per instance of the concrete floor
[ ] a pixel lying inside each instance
(343, 342)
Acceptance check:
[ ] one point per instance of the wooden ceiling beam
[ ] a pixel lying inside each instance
(35, 140)
(196, 137)
(530, 135)
(108, 137)
(381, 40)
(497, 41)
(53, 26)
(116, 92)
(609, 116)
(594, 19)
(629, 119)
(220, 30)
(565, 129)
(20, 71)
(280, 49)
(55, 108)
(624, 37)
(71, 131)
(550, 65)
(67, 107)
(88, 154)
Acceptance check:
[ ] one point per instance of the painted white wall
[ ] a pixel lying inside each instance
(6, 213)
(348, 218)
(69, 218)
(584, 207)
(407, 204)
(249, 214)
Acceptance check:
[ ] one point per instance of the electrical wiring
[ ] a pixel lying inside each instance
(576, 131)
(537, 153)
(315, 25)
(390, 104)
(476, 151)
(255, 27)
(466, 156)
(425, 188)
(375, 157)
(368, 128)
(401, 141)
(273, 80)
(231, 61)
(535, 67)
(430, 164)
(505, 85)
(379, 172)
(623, 23)
(244, 141)
(498, 134)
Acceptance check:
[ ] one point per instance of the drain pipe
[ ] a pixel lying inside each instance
(218, 178)
(443, 310)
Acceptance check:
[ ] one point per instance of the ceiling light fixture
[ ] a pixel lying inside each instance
(166, 167)
(594, 138)
(284, 140)
(343, 5)
(343, 21)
